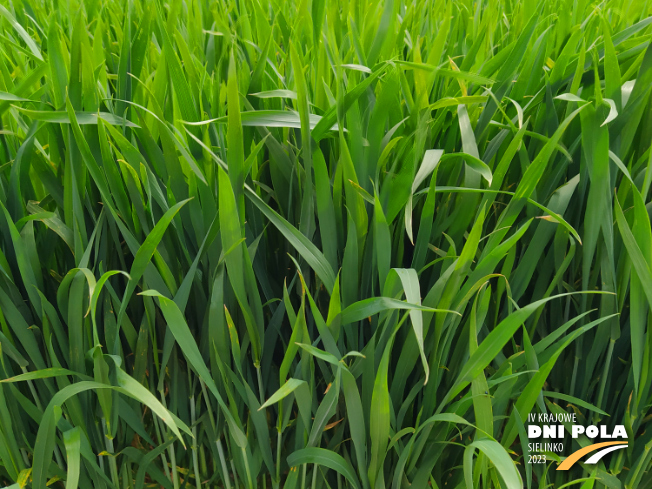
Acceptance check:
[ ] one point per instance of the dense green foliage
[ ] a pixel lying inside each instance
(258, 243)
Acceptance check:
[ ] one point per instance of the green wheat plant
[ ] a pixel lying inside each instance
(268, 244)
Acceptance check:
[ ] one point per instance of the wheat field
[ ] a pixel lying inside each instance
(323, 244)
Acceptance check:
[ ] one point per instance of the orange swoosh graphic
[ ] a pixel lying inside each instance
(575, 456)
